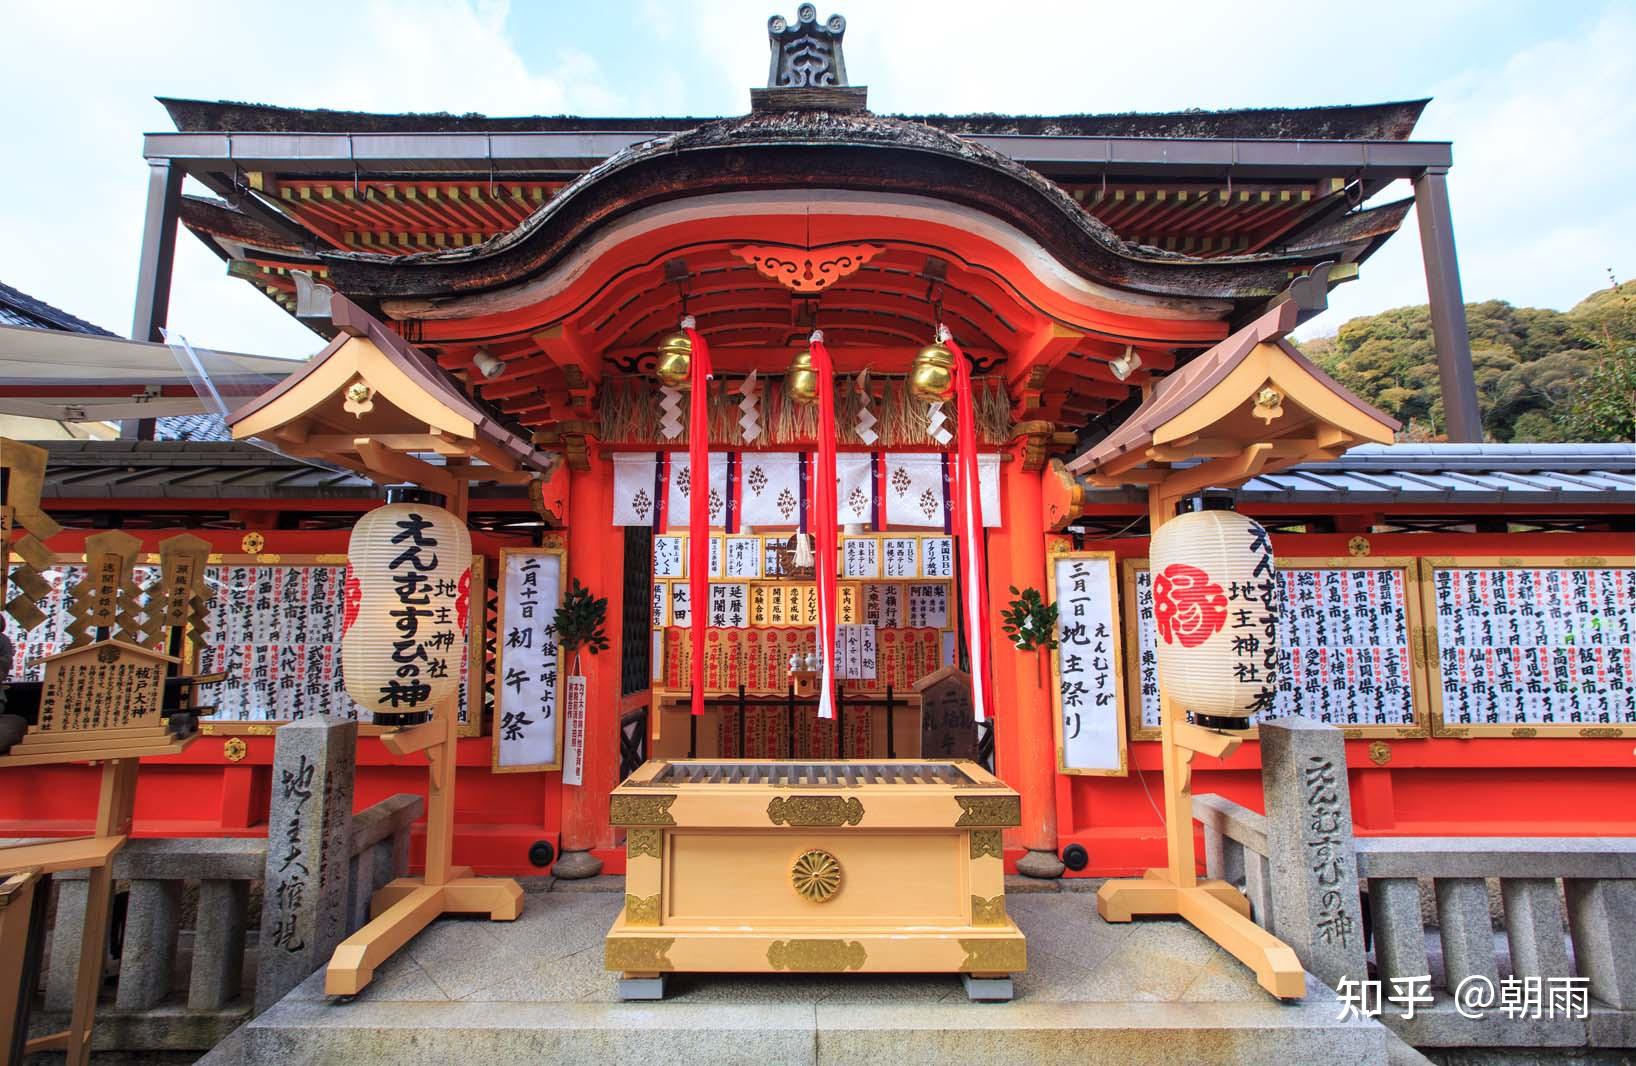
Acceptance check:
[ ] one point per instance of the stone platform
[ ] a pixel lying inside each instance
(534, 991)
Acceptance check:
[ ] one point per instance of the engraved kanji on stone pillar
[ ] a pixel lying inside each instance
(1315, 905)
(309, 830)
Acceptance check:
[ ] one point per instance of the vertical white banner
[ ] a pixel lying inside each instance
(573, 731)
(526, 677)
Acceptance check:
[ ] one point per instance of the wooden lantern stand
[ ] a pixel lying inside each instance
(409, 904)
(369, 402)
(1250, 405)
(1215, 908)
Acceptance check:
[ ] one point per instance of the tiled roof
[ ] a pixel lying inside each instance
(192, 470)
(191, 428)
(1388, 474)
(1387, 121)
(18, 308)
(1397, 474)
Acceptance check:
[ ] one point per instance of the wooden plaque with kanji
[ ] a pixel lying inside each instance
(106, 685)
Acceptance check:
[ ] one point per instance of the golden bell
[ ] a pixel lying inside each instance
(932, 377)
(675, 360)
(801, 380)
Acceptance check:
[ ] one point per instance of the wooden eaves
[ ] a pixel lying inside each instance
(373, 403)
(1250, 405)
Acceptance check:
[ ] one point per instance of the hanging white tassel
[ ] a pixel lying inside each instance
(864, 426)
(749, 408)
(803, 550)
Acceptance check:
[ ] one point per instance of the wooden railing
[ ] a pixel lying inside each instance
(633, 740)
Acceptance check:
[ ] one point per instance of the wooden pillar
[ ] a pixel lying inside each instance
(597, 559)
(1025, 742)
(1448, 309)
(154, 269)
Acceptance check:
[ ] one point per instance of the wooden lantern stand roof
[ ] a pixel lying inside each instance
(1250, 405)
(370, 401)
(374, 403)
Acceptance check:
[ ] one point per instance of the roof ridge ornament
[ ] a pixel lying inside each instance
(807, 54)
(808, 69)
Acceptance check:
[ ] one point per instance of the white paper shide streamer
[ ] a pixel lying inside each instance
(864, 424)
(936, 423)
(670, 407)
(749, 409)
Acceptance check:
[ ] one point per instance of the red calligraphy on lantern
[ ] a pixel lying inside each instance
(1188, 608)
(462, 602)
(353, 596)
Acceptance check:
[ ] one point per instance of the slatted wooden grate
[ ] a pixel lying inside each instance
(834, 774)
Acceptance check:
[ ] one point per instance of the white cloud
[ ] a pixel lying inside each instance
(77, 92)
(1545, 142)
(1544, 156)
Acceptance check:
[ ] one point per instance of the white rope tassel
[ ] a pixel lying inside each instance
(749, 410)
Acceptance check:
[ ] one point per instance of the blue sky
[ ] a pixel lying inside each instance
(1536, 97)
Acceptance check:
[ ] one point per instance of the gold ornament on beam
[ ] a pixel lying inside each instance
(360, 399)
(801, 380)
(1269, 404)
(931, 378)
(675, 361)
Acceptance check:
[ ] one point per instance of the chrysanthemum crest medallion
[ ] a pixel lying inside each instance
(816, 875)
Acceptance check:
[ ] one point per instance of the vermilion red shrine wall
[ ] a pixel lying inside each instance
(1545, 786)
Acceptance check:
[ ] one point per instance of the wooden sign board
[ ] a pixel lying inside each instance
(105, 685)
(1087, 691)
(948, 729)
(272, 624)
(274, 627)
(528, 669)
(1350, 646)
(1532, 647)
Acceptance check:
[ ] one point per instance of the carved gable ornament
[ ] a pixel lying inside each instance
(807, 54)
(808, 271)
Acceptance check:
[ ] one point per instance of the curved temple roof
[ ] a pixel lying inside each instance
(1393, 121)
(806, 149)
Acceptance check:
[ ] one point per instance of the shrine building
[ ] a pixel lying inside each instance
(507, 304)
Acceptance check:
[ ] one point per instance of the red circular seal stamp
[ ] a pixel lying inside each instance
(1188, 608)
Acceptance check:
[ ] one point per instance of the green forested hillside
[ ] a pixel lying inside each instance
(1542, 375)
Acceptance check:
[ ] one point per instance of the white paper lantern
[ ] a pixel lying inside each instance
(1215, 611)
(403, 630)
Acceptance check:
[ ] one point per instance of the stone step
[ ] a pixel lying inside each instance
(535, 990)
(1027, 1034)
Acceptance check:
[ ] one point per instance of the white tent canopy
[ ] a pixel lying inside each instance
(77, 377)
